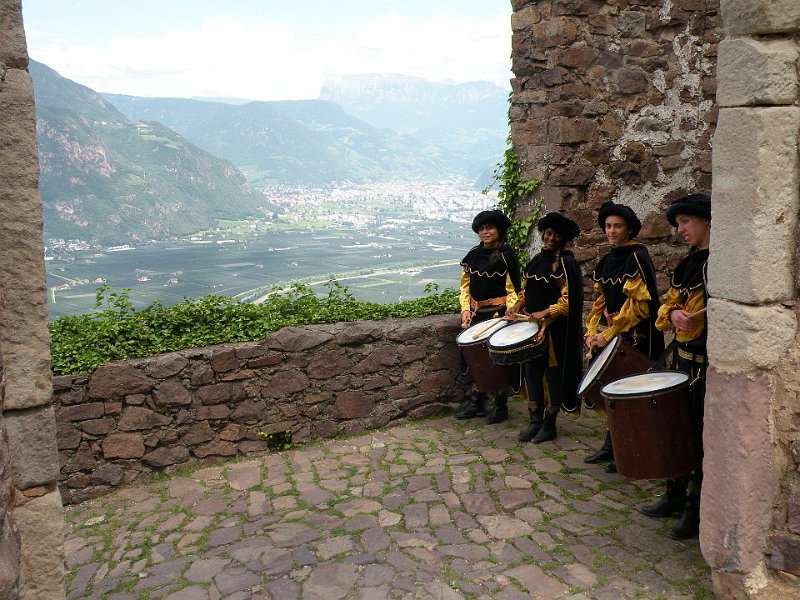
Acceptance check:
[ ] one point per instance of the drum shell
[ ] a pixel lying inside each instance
(514, 354)
(488, 376)
(625, 361)
(653, 433)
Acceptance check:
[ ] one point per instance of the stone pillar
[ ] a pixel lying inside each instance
(750, 510)
(28, 416)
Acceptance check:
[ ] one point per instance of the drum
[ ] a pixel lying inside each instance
(515, 344)
(618, 359)
(652, 431)
(488, 376)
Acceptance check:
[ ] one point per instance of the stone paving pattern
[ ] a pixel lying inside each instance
(436, 508)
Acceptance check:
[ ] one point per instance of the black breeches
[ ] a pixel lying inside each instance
(537, 376)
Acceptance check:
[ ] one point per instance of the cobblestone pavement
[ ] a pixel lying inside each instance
(439, 508)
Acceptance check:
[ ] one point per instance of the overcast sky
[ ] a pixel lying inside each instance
(265, 49)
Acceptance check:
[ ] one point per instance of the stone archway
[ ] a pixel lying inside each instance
(29, 468)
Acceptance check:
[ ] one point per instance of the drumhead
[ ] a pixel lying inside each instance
(645, 383)
(598, 364)
(480, 331)
(513, 334)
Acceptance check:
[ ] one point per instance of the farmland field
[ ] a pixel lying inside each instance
(383, 264)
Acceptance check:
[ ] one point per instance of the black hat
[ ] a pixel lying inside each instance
(492, 217)
(698, 205)
(563, 226)
(608, 209)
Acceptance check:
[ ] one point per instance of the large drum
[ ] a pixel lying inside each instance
(652, 431)
(488, 376)
(618, 359)
(516, 344)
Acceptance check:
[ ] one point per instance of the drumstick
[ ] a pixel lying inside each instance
(483, 330)
(698, 312)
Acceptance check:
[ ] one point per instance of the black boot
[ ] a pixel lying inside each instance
(689, 524)
(473, 407)
(548, 430)
(606, 452)
(611, 467)
(500, 411)
(526, 435)
(671, 503)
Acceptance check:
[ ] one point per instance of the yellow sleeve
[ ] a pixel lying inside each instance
(561, 307)
(672, 301)
(593, 320)
(511, 292)
(694, 302)
(635, 308)
(464, 297)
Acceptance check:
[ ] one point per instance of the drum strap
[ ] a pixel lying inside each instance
(665, 356)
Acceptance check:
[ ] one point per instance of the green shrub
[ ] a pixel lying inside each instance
(81, 343)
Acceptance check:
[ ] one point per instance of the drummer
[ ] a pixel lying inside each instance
(627, 298)
(553, 297)
(684, 313)
(489, 285)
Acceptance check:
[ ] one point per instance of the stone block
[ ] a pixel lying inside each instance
(353, 405)
(68, 436)
(123, 445)
(220, 393)
(752, 72)
(377, 361)
(297, 339)
(284, 383)
(212, 413)
(356, 334)
(755, 189)
(162, 457)
(631, 23)
(736, 512)
(81, 412)
(32, 446)
(565, 130)
(197, 434)
(215, 449)
(41, 526)
(785, 553)
(106, 474)
(13, 49)
(136, 418)
(758, 17)
(224, 361)
(249, 410)
(166, 365)
(746, 337)
(172, 393)
(119, 379)
(526, 17)
(329, 364)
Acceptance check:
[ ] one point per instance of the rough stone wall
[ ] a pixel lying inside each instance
(750, 528)
(615, 101)
(28, 454)
(133, 418)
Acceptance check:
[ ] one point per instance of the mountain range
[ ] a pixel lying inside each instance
(154, 168)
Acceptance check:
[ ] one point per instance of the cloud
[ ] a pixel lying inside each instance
(227, 57)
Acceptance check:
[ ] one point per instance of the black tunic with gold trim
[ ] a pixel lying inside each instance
(489, 281)
(627, 298)
(553, 280)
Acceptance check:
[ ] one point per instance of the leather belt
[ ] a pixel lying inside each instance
(498, 302)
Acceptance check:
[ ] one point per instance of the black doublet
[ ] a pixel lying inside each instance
(543, 289)
(488, 269)
(692, 274)
(614, 269)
